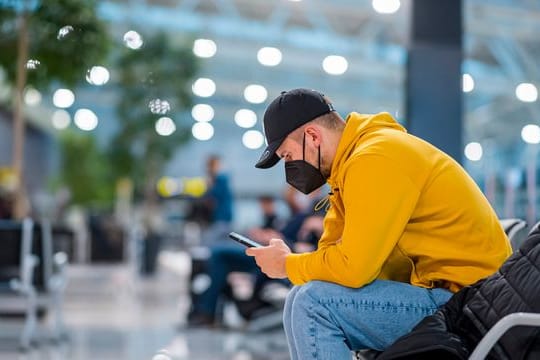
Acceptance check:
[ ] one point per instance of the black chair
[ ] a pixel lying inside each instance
(534, 227)
(483, 348)
(17, 292)
(64, 241)
(515, 229)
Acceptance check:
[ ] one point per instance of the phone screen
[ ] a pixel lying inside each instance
(244, 240)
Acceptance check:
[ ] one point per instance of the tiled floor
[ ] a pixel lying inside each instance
(112, 313)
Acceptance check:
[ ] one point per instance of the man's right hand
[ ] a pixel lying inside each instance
(271, 258)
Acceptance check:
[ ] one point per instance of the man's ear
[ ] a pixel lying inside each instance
(314, 133)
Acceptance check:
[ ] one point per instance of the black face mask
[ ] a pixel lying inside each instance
(302, 175)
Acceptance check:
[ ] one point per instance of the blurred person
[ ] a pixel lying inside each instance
(270, 217)
(6, 206)
(406, 227)
(295, 200)
(8, 186)
(230, 257)
(219, 200)
(309, 234)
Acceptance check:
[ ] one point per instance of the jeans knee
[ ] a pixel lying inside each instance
(316, 289)
(307, 291)
(306, 298)
(289, 301)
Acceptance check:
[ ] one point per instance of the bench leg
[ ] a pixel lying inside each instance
(30, 323)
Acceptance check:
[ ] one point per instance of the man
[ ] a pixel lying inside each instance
(406, 227)
(219, 199)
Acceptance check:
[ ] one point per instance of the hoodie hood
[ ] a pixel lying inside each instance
(357, 127)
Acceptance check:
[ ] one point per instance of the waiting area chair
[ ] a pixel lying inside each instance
(17, 264)
(534, 227)
(499, 329)
(31, 271)
(52, 277)
(515, 229)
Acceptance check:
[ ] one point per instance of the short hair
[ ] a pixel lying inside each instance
(266, 198)
(331, 121)
(213, 157)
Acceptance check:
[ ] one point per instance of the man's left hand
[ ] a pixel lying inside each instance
(271, 258)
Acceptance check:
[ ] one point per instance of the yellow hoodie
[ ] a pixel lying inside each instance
(400, 209)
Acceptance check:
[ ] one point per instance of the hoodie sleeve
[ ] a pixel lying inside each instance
(379, 199)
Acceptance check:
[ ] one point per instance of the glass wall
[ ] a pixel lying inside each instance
(502, 113)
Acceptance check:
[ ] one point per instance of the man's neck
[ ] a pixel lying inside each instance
(333, 143)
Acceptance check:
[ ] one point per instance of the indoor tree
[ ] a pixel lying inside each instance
(154, 82)
(41, 43)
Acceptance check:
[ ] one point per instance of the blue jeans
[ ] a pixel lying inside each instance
(216, 233)
(224, 259)
(323, 320)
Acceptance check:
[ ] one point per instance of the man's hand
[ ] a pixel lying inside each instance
(271, 258)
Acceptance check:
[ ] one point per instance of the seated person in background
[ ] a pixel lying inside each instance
(230, 257)
(219, 200)
(268, 208)
(296, 201)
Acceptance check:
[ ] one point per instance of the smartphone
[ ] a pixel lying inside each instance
(244, 240)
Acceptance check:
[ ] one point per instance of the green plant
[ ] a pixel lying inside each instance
(162, 71)
(63, 56)
(58, 40)
(86, 171)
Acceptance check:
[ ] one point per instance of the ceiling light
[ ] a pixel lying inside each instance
(269, 56)
(32, 97)
(97, 75)
(202, 131)
(165, 126)
(526, 92)
(473, 151)
(85, 119)
(60, 119)
(245, 118)
(133, 40)
(255, 94)
(386, 6)
(531, 134)
(204, 87)
(63, 98)
(335, 64)
(202, 112)
(467, 83)
(204, 48)
(253, 139)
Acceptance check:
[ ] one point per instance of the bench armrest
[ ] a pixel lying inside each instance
(500, 328)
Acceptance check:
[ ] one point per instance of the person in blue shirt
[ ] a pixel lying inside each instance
(228, 257)
(219, 199)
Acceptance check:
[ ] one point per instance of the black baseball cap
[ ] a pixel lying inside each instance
(286, 113)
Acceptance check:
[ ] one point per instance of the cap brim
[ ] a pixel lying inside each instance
(269, 157)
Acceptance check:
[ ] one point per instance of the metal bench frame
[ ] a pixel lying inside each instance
(22, 286)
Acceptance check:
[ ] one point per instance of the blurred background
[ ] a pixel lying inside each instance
(129, 130)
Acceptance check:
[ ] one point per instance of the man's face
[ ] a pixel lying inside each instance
(291, 148)
(212, 166)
